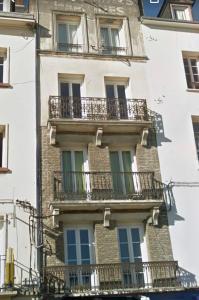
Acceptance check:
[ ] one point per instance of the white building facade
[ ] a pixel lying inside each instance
(17, 137)
(172, 46)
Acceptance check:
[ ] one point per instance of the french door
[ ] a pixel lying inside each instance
(78, 251)
(71, 99)
(122, 174)
(74, 178)
(116, 101)
(110, 40)
(130, 252)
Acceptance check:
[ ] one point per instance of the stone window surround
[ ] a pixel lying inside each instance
(124, 25)
(69, 14)
(5, 53)
(4, 129)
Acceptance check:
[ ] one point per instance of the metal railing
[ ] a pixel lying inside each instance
(109, 50)
(66, 47)
(106, 186)
(25, 280)
(111, 278)
(93, 108)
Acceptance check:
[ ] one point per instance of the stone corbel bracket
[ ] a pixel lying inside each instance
(144, 137)
(52, 135)
(155, 216)
(55, 218)
(107, 217)
(99, 134)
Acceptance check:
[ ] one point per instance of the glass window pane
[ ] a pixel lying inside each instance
(84, 236)
(123, 235)
(71, 237)
(64, 89)
(62, 34)
(72, 255)
(136, 250)
(85, 253)
(115, 37)
(72, 34)
(135, 235)
(124, 250)
(104, 36)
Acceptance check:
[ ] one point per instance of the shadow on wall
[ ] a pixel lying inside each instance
(159, 128)
(171, 205)
(187, 279)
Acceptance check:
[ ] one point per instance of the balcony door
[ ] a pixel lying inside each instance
(130, 252)
(78, 251)
(116, 101)
(70, 99)
(122, 173)
(75, 182)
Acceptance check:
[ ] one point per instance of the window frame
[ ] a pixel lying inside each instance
(5, 54)
(124, 33)
(143, 244)
(83, 42)
(185, 8)
(194, 84)
(77, 229)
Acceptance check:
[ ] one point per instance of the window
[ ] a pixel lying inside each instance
(196, 135)
(122, 164)
(69, 33)
(1, 5)
(191, 66)
(112, 37)
(130, 251)
(74, 165)
(181, 13)
(116, 101)
(78, 252)
(4, 58)
(70, 92)
(1, 69)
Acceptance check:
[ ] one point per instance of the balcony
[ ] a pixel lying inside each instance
(86, 114)
(79, 190)
(107, 279)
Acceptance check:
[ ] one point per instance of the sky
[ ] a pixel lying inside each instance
(152, 9)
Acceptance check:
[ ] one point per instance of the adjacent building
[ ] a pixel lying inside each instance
(17, 143)
(172, 46)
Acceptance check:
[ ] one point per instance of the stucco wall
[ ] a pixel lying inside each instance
(173, 107)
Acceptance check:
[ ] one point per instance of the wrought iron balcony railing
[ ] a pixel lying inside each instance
(69, 47)
(106, 186)
(109, 50)
(112, 278)
(98, 108)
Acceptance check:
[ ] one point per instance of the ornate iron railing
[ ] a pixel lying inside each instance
(97, 108)
(106, 186)
(109, 50)
(69, 47)
(112, 278)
